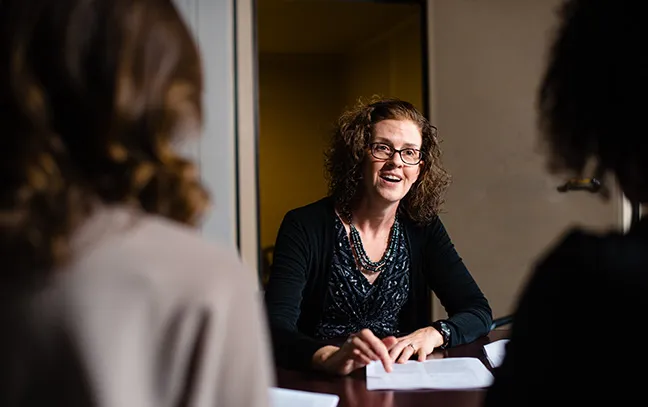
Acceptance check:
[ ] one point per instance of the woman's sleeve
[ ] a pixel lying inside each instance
(283, 296)
(469, 314)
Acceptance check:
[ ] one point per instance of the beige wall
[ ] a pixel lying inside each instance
(300, 97)
(214, 152)
(502, 210)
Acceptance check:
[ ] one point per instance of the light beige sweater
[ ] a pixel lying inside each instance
(156, 316)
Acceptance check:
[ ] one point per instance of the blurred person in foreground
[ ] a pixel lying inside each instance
(576, 337)
(110, 295)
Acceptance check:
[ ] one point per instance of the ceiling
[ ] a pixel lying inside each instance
(325, 26)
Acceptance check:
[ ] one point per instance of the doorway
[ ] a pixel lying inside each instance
(316, 58)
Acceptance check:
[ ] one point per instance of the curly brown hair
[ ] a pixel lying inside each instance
(592, 98)
(348, 150)
(92, 96)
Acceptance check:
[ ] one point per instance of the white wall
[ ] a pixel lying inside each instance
(212, 24)
(247, 126)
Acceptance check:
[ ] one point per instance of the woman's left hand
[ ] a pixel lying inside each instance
(421, 343)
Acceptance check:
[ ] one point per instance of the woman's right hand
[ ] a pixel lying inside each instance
(358, 351)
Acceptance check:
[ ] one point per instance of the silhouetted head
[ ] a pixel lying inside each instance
(93, 95)
(593, 96)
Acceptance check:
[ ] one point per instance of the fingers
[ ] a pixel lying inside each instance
(406, 354)
(398, 348)
(348, 365)
(358, 351)
(376, 346)
(360, 344)
(360, 357)
(390, 341)
(420, 342)
(421, 355)
(403, 350)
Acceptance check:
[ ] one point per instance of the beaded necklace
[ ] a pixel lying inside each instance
(388, 256)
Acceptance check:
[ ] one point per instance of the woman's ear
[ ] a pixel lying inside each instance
(421, 170)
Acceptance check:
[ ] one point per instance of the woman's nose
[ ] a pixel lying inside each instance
(396, 159)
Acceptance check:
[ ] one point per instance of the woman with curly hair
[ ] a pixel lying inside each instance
(352, 272)
(110, 296)
(577, 336)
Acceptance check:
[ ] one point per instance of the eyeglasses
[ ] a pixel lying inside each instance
(381, 151)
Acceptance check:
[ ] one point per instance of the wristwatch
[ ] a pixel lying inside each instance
(444, 330)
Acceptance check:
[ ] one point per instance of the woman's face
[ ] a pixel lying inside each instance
(388, 180)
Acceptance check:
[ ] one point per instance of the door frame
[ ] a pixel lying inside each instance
(247, 132)
(246, 107)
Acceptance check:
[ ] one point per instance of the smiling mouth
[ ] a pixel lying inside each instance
(391, 178)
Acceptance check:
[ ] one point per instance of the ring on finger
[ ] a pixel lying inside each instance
(411, 346)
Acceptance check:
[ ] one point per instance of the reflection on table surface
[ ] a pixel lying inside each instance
(353, 389)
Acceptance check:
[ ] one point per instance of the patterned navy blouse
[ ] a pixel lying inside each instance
(352, 303)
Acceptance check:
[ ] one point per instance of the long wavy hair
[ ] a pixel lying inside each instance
(592, 99)
(93, 94)
(348, 151)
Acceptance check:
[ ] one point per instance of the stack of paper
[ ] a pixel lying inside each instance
(495, 352)
(448, 374)
(296, 398)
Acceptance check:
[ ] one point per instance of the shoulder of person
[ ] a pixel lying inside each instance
(312, 211)
(157, 255)
(195, 256)
(429, 228)
(310, 218)
(596, 249)
(582, 280)
(583, 259)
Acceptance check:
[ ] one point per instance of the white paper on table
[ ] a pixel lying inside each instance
(495, 352)
(448, 374)
(297, 398)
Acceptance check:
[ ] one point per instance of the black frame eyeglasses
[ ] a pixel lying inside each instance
(382, 151)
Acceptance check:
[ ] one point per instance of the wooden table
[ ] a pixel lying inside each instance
(353, 389)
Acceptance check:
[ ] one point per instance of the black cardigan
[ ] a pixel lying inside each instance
(296, 290)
